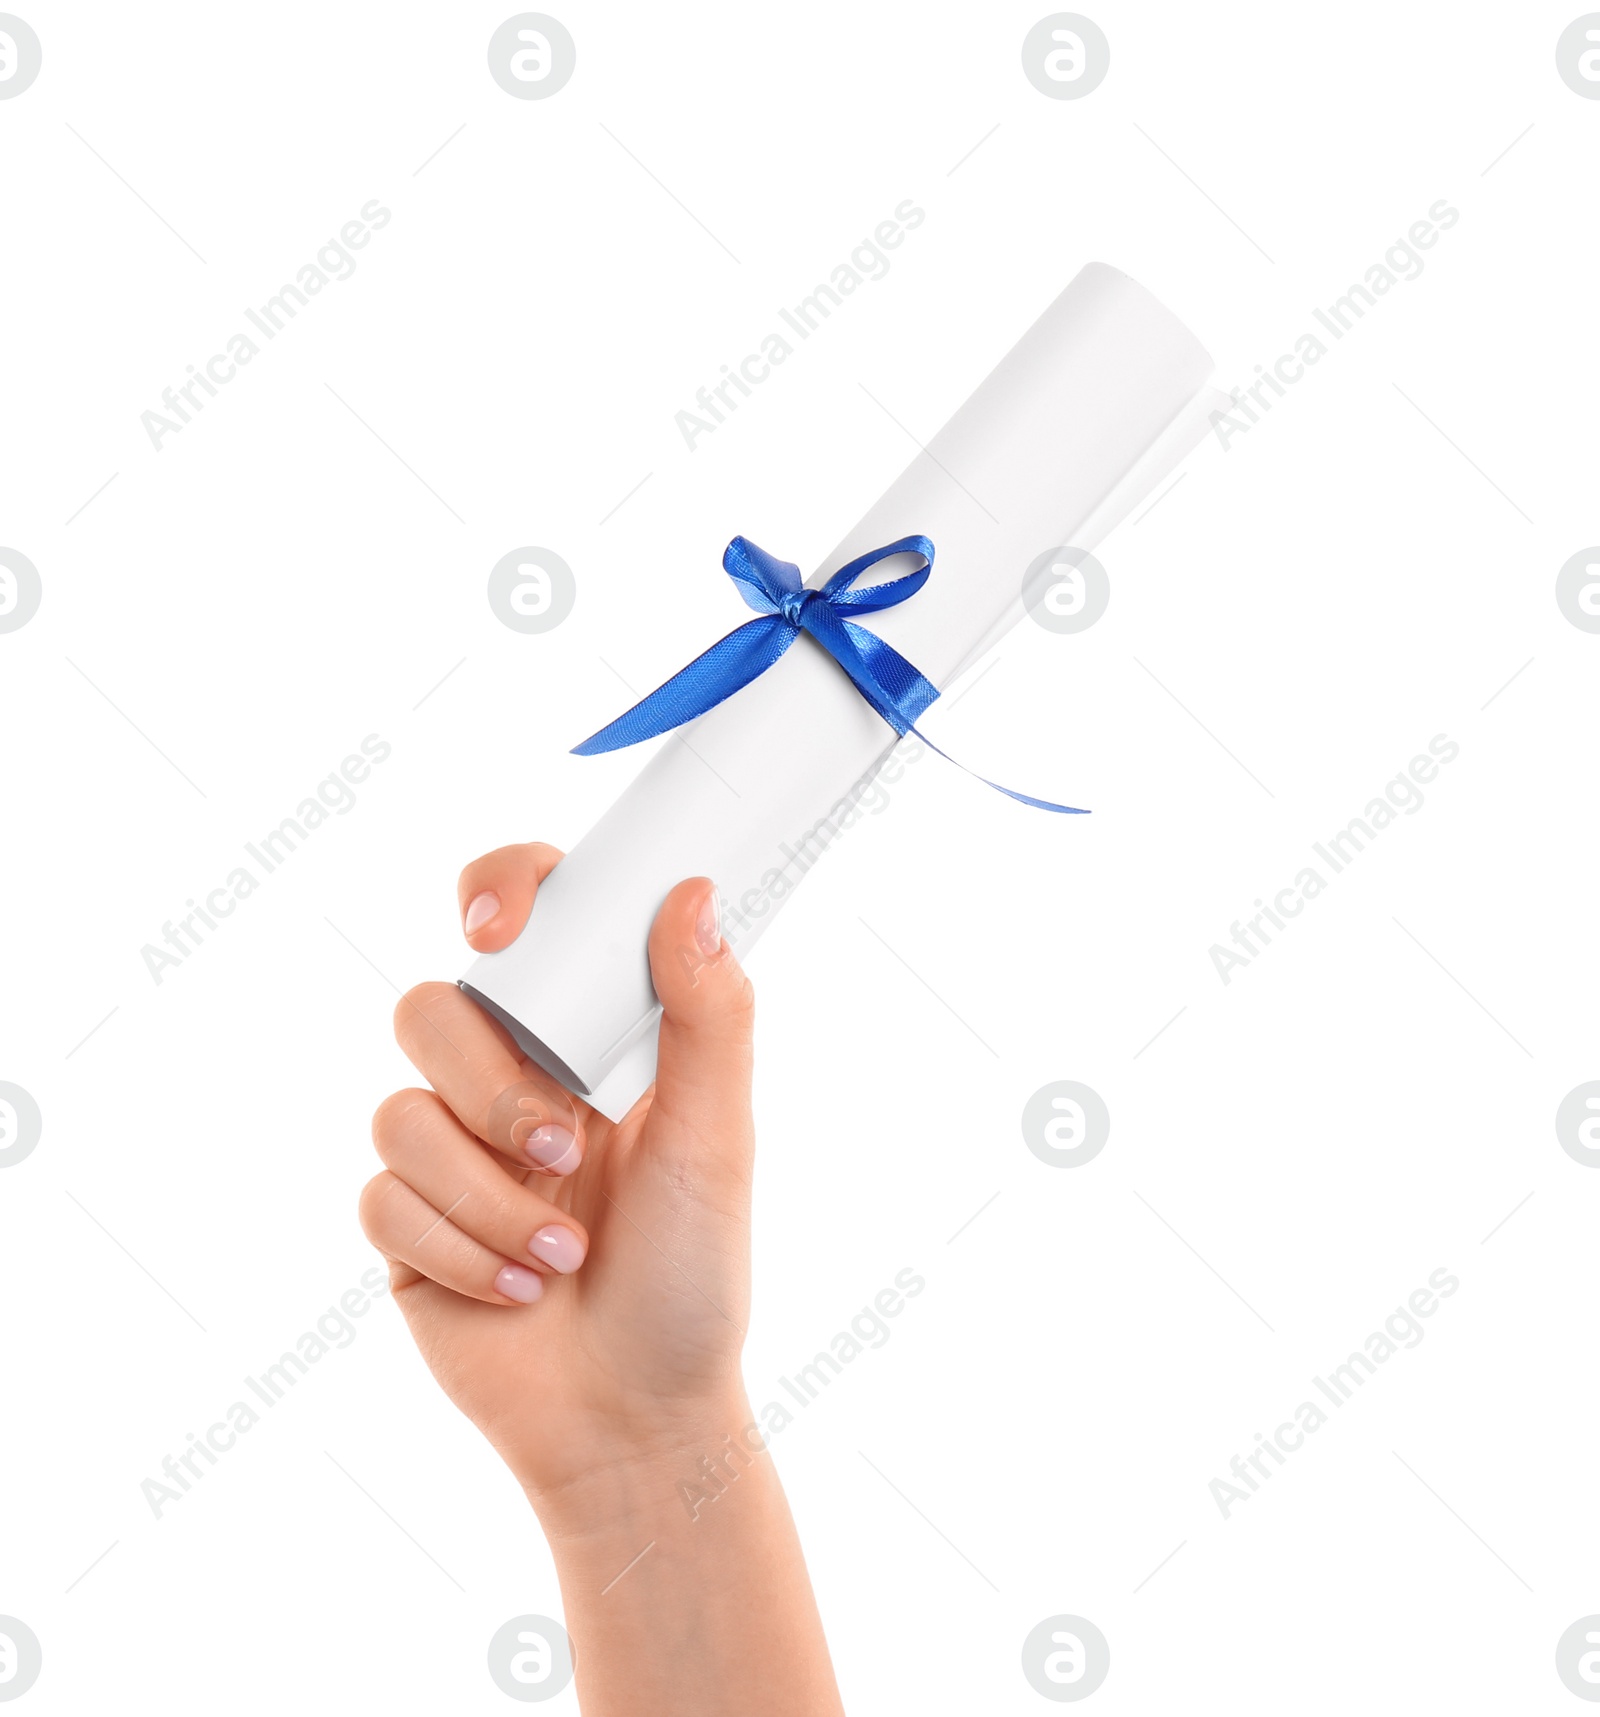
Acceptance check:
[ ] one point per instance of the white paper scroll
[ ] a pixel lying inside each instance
(1085, 416)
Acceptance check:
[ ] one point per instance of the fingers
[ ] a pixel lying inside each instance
(422, 1144)
(708, 1013)
(496, 892)
(494, 1092)
(406, 1228)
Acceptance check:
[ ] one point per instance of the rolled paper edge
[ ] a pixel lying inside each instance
(531, 1045)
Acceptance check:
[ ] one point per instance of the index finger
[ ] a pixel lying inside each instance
(492, 1090)
(496, 893)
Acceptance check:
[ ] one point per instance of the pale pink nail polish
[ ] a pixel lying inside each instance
(518, 1283)
(558, 1247)
(480, 909)
(553, 1149)
(708, 926)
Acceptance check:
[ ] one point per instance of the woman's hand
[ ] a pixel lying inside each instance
(580, 1289)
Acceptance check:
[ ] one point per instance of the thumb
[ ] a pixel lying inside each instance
(703, 1063)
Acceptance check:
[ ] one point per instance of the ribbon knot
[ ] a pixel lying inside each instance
(787, 607)
(793, 607)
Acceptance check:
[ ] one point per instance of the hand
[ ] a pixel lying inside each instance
(580, 1289)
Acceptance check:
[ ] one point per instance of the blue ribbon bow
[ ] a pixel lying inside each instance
(775, 590)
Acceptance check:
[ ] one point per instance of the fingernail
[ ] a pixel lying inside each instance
(708, 926)
(480, 909)
(553, 1149)
(560, 1248)
(519, 1283)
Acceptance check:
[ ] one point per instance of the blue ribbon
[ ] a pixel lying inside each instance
(775, 590)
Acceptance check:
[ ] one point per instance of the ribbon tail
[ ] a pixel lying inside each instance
(894, 688)
(900, 693)
(711, 678)
(1010, 792)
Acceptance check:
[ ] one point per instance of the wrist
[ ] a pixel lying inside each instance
(682, 1574)
(633, 1476)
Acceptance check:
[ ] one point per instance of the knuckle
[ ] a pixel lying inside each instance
(503, 1211)
(714, 982)
(397, 1116)
(502, 1218)
(739, 1000)
(371, 1205)
(421, 999)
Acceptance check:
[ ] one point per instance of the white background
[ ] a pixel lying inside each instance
(1362, 1105)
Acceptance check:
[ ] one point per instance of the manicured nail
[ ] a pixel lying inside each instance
(519, 1284)
(480, 909)
(708, 926)
(560, 1248)
(553, 1149)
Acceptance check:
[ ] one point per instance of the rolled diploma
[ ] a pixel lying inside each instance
(1088, 413)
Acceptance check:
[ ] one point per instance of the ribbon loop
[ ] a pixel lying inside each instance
(787, 606)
